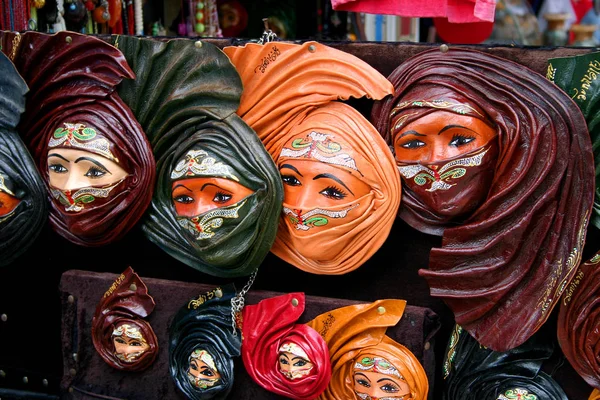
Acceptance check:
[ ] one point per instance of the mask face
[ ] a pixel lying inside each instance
(293, 362)
(517, 394)
(195, 196)
(440, 135)
(81, 167)
(375, 378)
(8, 201)
(206, 192)
(321, 183)
(129, 343)
(202, 371)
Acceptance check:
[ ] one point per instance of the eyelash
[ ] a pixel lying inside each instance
(390, 388)
(220, 195)
(93, 169)
(340, 193)
(467, 139)
(55, 167)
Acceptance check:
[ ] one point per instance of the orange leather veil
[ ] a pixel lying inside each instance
(290, 91)
(595, 395)
(355, 331)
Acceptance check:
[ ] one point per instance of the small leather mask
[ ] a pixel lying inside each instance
(120, 335)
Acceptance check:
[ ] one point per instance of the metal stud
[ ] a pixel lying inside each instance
(25, 379)
(73, 371)
(133, 287)
(71, 299)
(3, 317)
(2, 374)
(218, 293)
(312, 48)
(198, 44)
(295, 302)
(381, 310)
(444, 48)
(427, 346)
(71, 389)
(75, 356)
(68, 39)
(45, 382)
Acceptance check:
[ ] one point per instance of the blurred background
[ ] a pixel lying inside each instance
(514, 22)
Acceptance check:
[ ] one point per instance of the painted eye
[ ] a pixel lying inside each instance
(283, 361)
(119, 340)
(207, 372)
(290, 180)
(194, 367)
(184, 199)
(57, 168)
(389, 388)
(413, 144)
(460, 140)
(135, 344)
(362, 382)
(221, 197)
(95, 173)
(333, 192)
(300, 363)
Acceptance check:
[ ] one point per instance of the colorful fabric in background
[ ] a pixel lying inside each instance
(202, 345)
(361, 353)
(578, 77)
(474, 372)
(185, 96)
(23, 199)
(289, 99)
(121, 336)
(578, 321)
(503, 267)
(73, 108)
(284, 357)
(457, 11)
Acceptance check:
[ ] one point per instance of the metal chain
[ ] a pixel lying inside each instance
(238, 302)
(268, 35)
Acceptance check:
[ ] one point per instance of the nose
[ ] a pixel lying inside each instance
(201, 206)
(285, 367)
(75, 182)
(302, 199)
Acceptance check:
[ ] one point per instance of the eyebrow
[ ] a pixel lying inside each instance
(57, 155)
(181, 185)
(285, 355)
(411, 133)
(335, 178)
(92, 161)
(444, 129)
(301, 358)
(360, 373)
(292, 168)
(386, 379)
(211, 184)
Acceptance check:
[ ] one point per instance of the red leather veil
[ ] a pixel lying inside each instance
(73, 79)
(504, 268)
(272, 323)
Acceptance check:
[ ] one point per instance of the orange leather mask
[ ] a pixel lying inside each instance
(341, 185)
(357, 332)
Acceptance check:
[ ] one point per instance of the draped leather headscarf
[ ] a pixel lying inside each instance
(504, 268)
(203, 327)
(120, 312)
(290, 93)
(578, 77)
(72, 80)
(473, 372)
(270, 325)
(358, 331)
(579, 321)
(185, 96)
(595, 395)
(19, 177)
